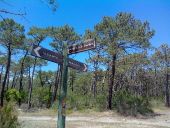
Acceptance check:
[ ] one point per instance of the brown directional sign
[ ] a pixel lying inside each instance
(87, 45)
(46, 54)
(77, 65)
(57, 58)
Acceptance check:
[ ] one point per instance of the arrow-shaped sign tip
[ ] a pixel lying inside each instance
(85, 68)
(36, 50)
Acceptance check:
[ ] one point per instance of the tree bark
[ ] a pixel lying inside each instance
(21, 76)
(95, 78)
(31, 83)
(167, 98)
(7, 83)
(16, 81)
(6, 74)
(56, 84)
(167, 92)
(13, 80)
(95, 84)
(40, 77)
(49, 101)
(72, 84)
(29, 89)
(1, 77)
(1, 74)
(111, 81)
(155, 83)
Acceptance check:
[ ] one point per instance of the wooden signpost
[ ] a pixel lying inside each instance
(66, 62)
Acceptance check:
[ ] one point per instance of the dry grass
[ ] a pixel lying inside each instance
(92, 119)
(39, 112)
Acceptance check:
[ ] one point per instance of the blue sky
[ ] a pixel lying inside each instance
(84, 14)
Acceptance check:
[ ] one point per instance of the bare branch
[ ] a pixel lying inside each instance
(12, 13)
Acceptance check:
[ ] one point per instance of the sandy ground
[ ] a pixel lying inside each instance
(98, 120)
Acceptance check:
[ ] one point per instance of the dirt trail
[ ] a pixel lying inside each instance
(98, 120)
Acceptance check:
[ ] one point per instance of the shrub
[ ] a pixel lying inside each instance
(101, 102)
(13, 95)
(8, 117)
(80, 102)
(128, 104)
(24, 96)
(40, 96)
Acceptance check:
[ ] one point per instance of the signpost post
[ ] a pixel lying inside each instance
(65, 62)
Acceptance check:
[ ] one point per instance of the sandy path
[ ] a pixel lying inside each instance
(101, 120)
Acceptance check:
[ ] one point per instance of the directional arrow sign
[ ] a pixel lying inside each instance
(87, 45)
(57, 58)
(77, 65)
(46, 54)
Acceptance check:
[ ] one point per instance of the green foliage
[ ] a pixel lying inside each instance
(61, 34)
(13, 95)
(82, 96)
(40, 96)
(80, 102)
(101, 102)
(23, 95)
(8, 117)
(121, 32)
(128, 104)
(158, 102)
(11, 33)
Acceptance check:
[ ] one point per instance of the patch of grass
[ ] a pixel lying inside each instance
(157, 103)
(40, 112)
(8, 116)
(128, 104)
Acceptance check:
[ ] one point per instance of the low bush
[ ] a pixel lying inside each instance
(128, 104)
(79, 102)
(40, 97)
(101, 102)
(13, 95)
(8, 117)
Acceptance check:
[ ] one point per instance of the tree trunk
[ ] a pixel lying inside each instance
(95, 78)
(21, 76)
(1, 76)
(155, 83)
(16, 80)
(111, 81)
(167, 98)
(49, 100)
(6, 74)
(167, 92)
(56, 84)
(7, 84)
(95, 84)
(29, 89)
(40, 77)
(72, 84)
(13, 81)
(31, 83)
